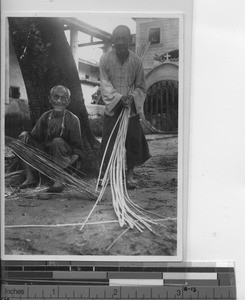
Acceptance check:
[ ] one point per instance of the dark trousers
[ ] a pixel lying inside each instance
(137, 150)
(58, 149)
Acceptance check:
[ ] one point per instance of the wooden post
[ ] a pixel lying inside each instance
(74, 44)
(167, 106)
(172, 114)
(161, 107)
(6, 55)
(156, 104)
(147, 103)
(151, 103)
(107, 47)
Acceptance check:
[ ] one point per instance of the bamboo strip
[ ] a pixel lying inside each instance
(78, 224)
(126, 230)
(60, 225)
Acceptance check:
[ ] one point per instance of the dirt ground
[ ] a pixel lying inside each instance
(156, 192)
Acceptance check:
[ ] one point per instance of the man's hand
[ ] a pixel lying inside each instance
(124, 100)
(127, 100)
(74, 158)
(24, 137)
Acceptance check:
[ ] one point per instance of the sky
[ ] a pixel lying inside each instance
(106, 22)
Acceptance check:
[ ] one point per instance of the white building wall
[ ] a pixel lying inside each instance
(15, 75)
(88, 90)
(169, 37)
(87, 70)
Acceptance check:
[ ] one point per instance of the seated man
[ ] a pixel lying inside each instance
(57, 133)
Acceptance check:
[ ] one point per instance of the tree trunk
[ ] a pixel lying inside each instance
(46, 60)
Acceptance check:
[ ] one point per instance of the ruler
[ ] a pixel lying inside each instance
(90, 280)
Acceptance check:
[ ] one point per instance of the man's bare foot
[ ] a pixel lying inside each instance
(57, 187)
(28, 183)
(131, 183)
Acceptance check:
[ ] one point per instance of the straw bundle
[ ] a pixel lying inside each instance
(127, 212)
(141, 52)
(44, 164)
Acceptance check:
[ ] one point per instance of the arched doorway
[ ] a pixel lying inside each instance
(161, 104)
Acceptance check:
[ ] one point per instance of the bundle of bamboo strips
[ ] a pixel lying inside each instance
(143, 49)
(127, 212)
(44, 164)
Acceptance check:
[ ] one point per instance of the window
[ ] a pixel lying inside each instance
(154, 35)
(14, 92)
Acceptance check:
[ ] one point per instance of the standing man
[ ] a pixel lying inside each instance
(123, 85)
(58, 133)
